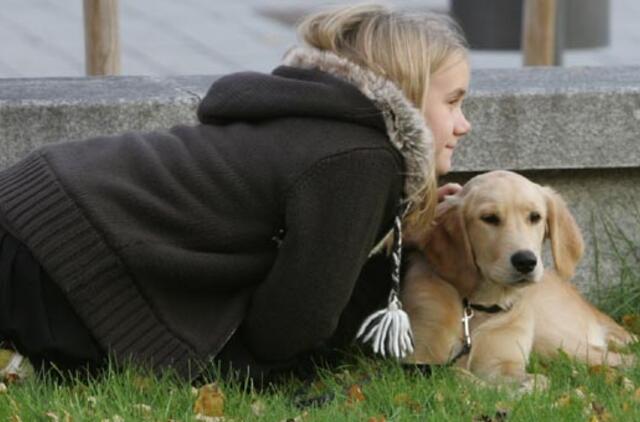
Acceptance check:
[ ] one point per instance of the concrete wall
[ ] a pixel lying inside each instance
(576, 129)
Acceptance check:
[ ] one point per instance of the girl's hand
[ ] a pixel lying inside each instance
(448, 189)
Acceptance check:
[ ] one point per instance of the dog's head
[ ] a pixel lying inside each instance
(494, 230)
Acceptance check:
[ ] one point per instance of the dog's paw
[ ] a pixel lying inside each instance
(533, 383)
(464, 375)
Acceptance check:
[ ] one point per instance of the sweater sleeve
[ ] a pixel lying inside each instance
(334, 215)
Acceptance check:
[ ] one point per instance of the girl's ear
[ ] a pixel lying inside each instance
(448, 250)
(563, 232)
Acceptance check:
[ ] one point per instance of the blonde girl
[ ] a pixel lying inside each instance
(252, 238)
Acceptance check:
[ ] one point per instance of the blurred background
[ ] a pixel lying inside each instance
(44, 38)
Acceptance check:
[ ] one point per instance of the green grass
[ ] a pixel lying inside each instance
(388, 391)
(364, 389)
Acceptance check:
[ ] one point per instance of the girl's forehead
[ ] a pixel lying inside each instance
(455, 68)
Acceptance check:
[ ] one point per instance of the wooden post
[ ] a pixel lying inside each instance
(539, 33)
(101, 38)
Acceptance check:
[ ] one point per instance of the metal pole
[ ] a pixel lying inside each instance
(101, 38)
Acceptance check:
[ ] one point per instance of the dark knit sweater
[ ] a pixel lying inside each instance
(165, 242)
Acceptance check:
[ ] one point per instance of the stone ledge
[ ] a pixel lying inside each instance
(524, 119)
(552, 118)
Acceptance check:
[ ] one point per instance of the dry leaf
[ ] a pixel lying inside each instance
(636, 395)
(3, 388)
(632, 323)
(142, 383)
(403, 399)
(145, 409)
(258, 408)
(202, 418)
(600, 412)
(377, 419)
(210, 401)
(610, 375)
(627, 384)
(355, 394)
(563, 401)
(67, 417)
(52, 416)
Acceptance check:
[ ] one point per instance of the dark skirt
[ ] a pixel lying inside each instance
(35, 315)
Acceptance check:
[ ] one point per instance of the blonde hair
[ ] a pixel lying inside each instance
(403, 47)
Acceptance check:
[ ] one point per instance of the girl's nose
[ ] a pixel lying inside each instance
(462, 126)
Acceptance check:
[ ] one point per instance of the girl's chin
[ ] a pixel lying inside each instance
(443, 168)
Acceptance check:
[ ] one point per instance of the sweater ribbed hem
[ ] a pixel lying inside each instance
(39, 212)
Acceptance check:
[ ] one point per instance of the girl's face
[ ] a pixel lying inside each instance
(443, 109)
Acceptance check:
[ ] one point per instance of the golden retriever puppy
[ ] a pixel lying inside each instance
(486, 249)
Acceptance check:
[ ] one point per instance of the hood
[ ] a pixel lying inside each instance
(315, 83)
(287, 92)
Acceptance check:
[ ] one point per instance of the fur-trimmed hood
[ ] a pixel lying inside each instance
(405, 125)
(292, 91)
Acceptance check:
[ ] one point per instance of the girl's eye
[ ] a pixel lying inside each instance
(492, 219)
(534, 217)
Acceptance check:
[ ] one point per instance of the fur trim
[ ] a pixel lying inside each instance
(406, 126)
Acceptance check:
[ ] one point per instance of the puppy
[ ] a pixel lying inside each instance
(486, 249)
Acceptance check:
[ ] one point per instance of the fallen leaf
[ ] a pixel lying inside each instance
(610, 375)
(52, 416)
(258, 408)
(600, 411)
(355, 394)
(142, 383)
(632, 323)
(145, 409)
(11, 378)
(210, 401)
(563, 401)
(403, 399)
(627, 384)
(202, 418)
(376, 419)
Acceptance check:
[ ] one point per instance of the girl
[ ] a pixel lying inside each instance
(248, 237)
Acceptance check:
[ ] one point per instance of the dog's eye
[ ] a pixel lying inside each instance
(492, 219)
(534, 217)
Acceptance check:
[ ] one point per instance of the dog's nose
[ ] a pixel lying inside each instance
(524, 261)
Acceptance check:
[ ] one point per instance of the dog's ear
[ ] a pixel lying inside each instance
(563, 232)
(448, 250)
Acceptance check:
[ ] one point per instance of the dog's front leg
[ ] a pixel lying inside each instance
(501, 346)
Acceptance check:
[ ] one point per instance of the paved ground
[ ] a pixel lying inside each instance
(163, 37)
